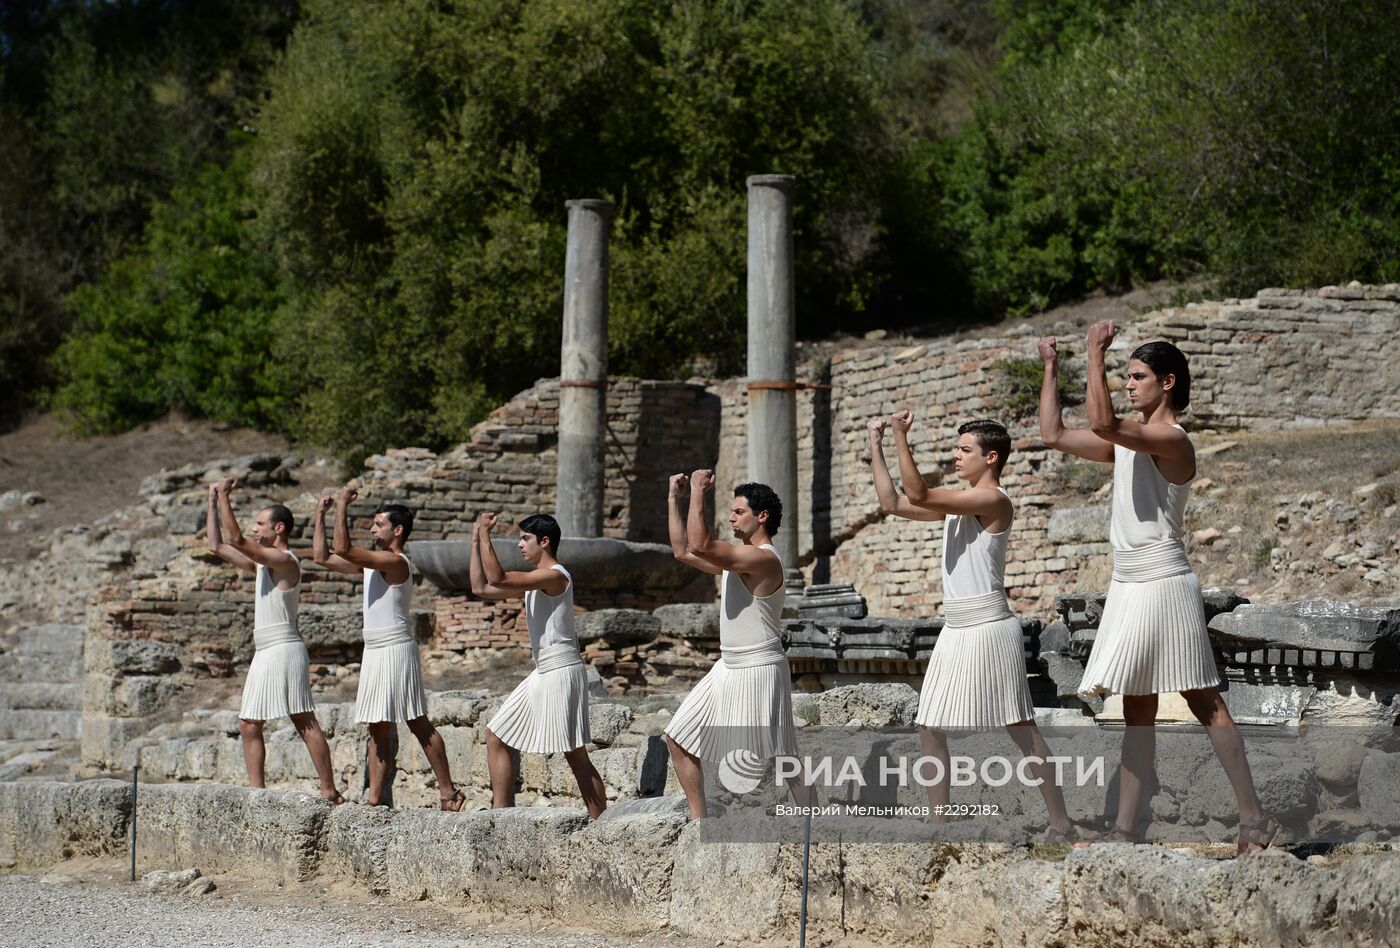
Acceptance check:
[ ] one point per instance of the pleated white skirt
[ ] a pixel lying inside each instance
(391, 680)
(1152, 639)
(743, 703)
(547, 713)
(279, 683)
(976, 676)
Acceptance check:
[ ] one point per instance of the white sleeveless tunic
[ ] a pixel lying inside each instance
(1152, 637)
(391, 680)
(976, 676)
(279, 679)
(547, 713)
(744, 703)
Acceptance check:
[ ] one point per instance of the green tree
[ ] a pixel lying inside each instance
(104, 107)
(1245, 143)
(185, 322)
(416, 157)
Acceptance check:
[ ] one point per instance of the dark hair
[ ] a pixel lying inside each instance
(1163, 358)
(399, 516)
(544, 527)
(763, 498)
(280, 514)
(991, 436)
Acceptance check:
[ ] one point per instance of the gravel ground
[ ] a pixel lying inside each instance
(96, 906)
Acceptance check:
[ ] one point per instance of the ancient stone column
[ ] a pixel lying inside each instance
(583, 369)
(772, 388)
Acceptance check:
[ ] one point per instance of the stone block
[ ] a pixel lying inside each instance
(444, 856)
(690, 620)
(607, 721)
(618, 626)
(271, 834)
(621, 868)
(1079, 524)
(871, 705)
(105, 737)
(42, 822)
(725, 889)
(1378, 788)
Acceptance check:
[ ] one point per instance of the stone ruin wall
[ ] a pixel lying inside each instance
(1285, 359)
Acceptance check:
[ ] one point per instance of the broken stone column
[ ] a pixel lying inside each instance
(583, 369)
(772, 387)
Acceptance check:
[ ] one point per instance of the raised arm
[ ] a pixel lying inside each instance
(481, 587)
(891, 501)
(390, 564)
(740, 558)
(675, 523)
(320, 551)
(280, 563)
(214, 536)
(1053, 433)
(500, 583)
(1162, 441)
(909, 475)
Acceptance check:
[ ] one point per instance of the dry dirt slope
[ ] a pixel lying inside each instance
(81, 479)
(1282, 516)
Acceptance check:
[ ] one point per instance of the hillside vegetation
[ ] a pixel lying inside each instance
(345, 221)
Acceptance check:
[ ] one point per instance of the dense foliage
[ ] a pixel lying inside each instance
(346, 220)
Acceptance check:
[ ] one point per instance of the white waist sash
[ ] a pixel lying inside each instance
(279, 634)
(1146, 563)
(752, 656)
(389, 635)
(557, 656)
(976, 610)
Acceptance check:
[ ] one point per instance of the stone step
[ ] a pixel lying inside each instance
(52, 639)
(46, 695)
(25, 668)
(29, 723)
(18, 766)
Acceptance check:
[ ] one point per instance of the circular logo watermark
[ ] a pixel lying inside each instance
(741, 771)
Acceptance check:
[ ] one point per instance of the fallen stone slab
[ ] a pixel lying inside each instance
(1311, 634)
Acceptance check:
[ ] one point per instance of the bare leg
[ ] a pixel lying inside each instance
(436, 752)
(380, 740)
(1032, 745)
(590, 782)
(254, 751)
(1210, 709)
(935, 745)
(502, 771)
(315, 740)
(1139, 750)
(803, 793)
(691, 777)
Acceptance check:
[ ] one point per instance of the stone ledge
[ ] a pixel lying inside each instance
(647, 871)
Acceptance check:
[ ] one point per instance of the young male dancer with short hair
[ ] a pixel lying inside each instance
(279, 679)
(547, 713)
(976, 676)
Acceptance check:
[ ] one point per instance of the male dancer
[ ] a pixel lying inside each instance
(1152, 637)
(744, 703)
(391, 681)
(976, 676)
(547, 713)
(279, 680)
